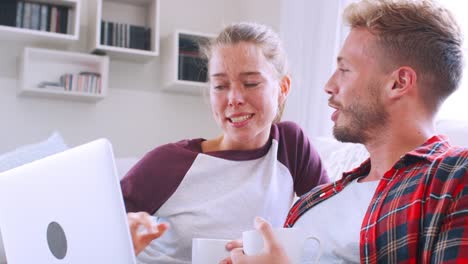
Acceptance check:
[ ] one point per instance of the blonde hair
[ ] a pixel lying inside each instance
(262, 36)
(416, 33)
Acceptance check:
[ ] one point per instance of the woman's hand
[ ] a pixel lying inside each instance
(273, 252)
(141, 239)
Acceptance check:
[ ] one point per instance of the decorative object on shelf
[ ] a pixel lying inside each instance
(125, 29)
(79, 76)
(185, 67)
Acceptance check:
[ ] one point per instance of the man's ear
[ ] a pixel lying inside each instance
(285, 86)
(403, 82)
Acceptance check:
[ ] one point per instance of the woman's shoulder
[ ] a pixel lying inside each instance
(287, 131)
(288, 125)
(190, 145)
(175, 150)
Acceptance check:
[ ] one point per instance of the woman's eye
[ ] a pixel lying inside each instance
(251, 85)
(343, 70)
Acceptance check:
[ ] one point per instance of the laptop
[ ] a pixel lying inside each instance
(65, 208)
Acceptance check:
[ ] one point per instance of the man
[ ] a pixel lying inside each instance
(409, 202)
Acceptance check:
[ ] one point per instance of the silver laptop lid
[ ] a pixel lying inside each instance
(65, 208)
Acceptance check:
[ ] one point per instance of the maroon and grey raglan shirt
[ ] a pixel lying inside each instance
(218, 194)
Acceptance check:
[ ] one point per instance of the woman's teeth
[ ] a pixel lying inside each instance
(240, 118)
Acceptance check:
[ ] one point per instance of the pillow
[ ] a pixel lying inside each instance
(339, 157)
(26, 154)
(29, 153)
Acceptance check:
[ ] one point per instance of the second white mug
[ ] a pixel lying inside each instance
(292, 240)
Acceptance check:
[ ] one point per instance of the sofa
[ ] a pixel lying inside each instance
(336, 156)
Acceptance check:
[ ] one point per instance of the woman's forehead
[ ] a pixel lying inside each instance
(240, 58)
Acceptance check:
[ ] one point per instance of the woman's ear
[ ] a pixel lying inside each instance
(403, 82)
(285, 86)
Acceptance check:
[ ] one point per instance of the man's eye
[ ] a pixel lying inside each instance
(219, 87)
(251, 85)
(343, 70)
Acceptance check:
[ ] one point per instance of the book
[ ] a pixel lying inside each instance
(71, 21)
(8, 12)
(44, 16)
(19, 14)
(148, 39)
(35, 16)
(110, 34)
(27, 15)
(62, 19)
(137, 37)
(53, 19)
(57, 86)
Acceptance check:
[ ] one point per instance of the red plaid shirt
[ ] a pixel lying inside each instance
(419, 212)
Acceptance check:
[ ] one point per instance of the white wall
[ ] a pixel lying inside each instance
(136, 116)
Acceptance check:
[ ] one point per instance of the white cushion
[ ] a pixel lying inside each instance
(32, 152)
(339, 157)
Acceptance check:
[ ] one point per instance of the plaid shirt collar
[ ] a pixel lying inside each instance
(430, 150)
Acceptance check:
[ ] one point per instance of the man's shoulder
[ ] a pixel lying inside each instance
(451, 165)
(454, 155)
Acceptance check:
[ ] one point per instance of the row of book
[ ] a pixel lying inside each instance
(125, 35)
(192, 66)
(37, 16)
(83, 82)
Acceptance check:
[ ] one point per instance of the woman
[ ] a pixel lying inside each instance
(214, 188)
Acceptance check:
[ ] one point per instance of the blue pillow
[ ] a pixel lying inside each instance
(29, 153)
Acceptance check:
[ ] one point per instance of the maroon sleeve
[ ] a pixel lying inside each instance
(297, 153)
(150, 183)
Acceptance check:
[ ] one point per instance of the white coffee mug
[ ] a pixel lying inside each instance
(291, 239)
(209, 250)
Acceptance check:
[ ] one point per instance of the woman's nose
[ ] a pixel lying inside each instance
(236, 96)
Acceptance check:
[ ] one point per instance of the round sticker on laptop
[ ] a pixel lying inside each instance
(56, 240)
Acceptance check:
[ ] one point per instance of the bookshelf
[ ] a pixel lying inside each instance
(130, 30)
(37, 66)
(185, 68)
(29, 31)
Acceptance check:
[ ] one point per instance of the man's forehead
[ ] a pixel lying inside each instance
(360, 44)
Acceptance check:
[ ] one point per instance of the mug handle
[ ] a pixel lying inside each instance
(319, 253)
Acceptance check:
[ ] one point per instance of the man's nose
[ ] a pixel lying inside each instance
(331, 87)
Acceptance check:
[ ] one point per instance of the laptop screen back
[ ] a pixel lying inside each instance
(65, 208)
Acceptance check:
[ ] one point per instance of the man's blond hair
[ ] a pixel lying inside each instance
(416, 33)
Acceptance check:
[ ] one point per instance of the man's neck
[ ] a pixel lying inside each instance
(390, 145)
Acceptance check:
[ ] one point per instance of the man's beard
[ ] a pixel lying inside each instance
(362, 119)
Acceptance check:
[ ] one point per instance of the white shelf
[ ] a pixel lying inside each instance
(39, 65)
(173, 82)
(27, 36)
(143, 13)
